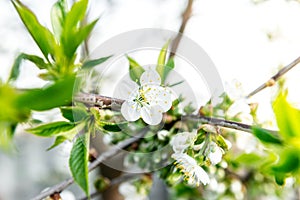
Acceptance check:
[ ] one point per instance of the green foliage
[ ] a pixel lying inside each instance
(266, 136)
(58, 15)
(289, 161)
(74, 114)
(135, 70)
(78, 162)
(51, 129)
(287, 118)
(161, 67)
(55, 95)
(92, 63)
(38, 61)
(42, 36)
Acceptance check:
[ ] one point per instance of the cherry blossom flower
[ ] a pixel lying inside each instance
(183, 140)
(147, 101)
(214, 153)
(193, 172)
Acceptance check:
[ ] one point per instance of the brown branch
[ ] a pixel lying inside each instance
(185, 17)
(105, 102)
(275, 78)
(112, 152)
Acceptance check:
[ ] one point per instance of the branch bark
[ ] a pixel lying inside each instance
(185, 17)
(275, 78)
(106, 102)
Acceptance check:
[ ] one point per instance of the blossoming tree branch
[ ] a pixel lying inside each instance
(219, 150)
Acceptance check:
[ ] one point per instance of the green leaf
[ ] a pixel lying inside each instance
(74, 114)
(135, 70)
(168, 67)
(250, 159)
(161, 68)
(51, 129)
(7, 131)
(71, 36)
(58, 94)
(280, 178)
(221, 142)
(58, 15)
(92, 63)
(41, 35)
(15, 71)
(111, 127)
(78, 162)
(289, 161)
(58, 140)
(287, 117)
(266, 136)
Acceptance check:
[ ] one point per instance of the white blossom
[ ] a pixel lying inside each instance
(147, 101)
(130, 192)
(162, 134)
(183, 140)
(214, 153)
(193, 172)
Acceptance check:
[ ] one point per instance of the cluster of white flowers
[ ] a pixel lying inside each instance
(181, 141)
(214, 153)
(147, 101)
(193, 172)
(188, 165)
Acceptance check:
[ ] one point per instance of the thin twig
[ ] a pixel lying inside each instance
(185, 17)
(111, 152)
(225, 123)
(115, 181)
(274, 78)
(105, 102)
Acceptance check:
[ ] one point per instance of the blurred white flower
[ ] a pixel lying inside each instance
(147, 101)
(183, 140)
(214, 153)
(193, 172)
(162, 134)
(130, 192)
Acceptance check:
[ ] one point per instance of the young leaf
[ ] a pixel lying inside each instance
(111, 127)
(160, 68)
(41, 35)
(58, 15)
(51, 129)
(58, 94)
(135, 70)
(74, 114)
(78, 162)
(287, 117)
(69, 36)
(92, 63)
(289, 161)
(265, 136)
(15, 71)
(58, 140)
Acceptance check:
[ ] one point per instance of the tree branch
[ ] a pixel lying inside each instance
(106, 102)
(185, 17)
(274, 78)
(112, 152)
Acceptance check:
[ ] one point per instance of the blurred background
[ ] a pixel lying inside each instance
(247, 40)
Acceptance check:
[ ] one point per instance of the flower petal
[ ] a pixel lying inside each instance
(126, 89)
(152, 115)
(130, 111)
(150, 77)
